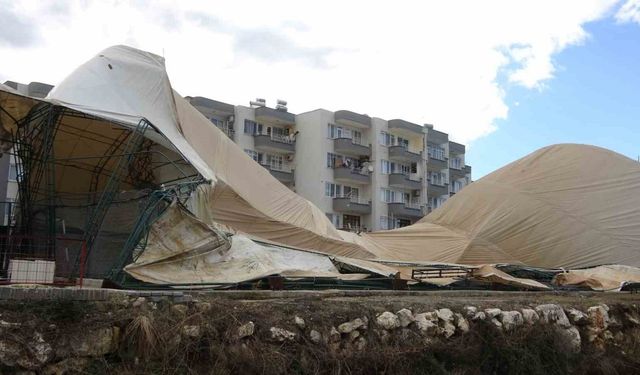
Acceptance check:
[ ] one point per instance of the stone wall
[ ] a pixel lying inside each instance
(135, 331)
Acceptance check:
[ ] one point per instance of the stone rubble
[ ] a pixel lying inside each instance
(553, 314)
(246, 330)
(281, 334)
(315, 336)
(388, 320)
(348, 327)
(577, 317)
(406, 317)
(530, 316)
(427, 327)
(511, 319)
(299, 322)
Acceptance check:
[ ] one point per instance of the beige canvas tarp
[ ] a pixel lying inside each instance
(183, 250)
(607, 277)
(562, 206)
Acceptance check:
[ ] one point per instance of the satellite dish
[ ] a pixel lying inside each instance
(370, 168)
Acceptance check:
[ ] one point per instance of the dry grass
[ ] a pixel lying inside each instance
(140, 335)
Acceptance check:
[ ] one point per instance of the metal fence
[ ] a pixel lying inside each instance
(42, 260)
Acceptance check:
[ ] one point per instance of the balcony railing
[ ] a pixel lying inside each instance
(405, 209)
(358, 175)
(227, 129)
(408, 175)
(350, 146)
(277, 137)
(437, 156)
(275, 166)
(354, 199)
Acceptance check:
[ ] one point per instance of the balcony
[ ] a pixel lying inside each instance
(283, 173)
(272, 116)
(346, 146)
(401, 153)
(403, 181)
(227, 129)
(274, 143)
(351, 205)
(456, 174)
(437, 164)
(210, 107)
(467, 170)
(408, 210)
(405, 127)
(351, 175)
(349, 118)
(435, 190)
(437, 137)
(456, 148)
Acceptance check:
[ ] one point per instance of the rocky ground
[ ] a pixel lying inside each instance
(325, 332)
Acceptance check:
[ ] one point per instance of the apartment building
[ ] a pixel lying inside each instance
(364, 172)
(265, 134)
(8, 169)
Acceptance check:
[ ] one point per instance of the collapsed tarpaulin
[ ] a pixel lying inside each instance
(181, 249)
(608, 277)
(561, 206)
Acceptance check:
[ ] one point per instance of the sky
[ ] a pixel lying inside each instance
(503, 77)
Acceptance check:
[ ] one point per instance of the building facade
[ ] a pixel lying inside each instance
(364, 172)
(8, 165)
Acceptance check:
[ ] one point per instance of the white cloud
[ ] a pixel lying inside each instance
(629, 12)
(445, 63)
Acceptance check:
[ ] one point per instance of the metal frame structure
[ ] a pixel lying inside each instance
(128, 157)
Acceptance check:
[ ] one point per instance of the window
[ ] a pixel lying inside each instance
(338, 132)
(402, 142)
(332, 190)
(456, 186)
(351, 192)
(336, 220)
(331, 160)
(9, 208)
(402, 223)
(13, 172)
(275, 162)
(385, 166)
(384, 223)
(253, 155)
(386, 139)
(400, 168)
(438, 178)
(387, 195)
(280, 132)
(393, 196)
(334, 131)
(455, 163)
(436, 152)
(357, 137)
(351, 222)
(250, 127)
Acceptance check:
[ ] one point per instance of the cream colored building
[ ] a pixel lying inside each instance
(365, 173)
